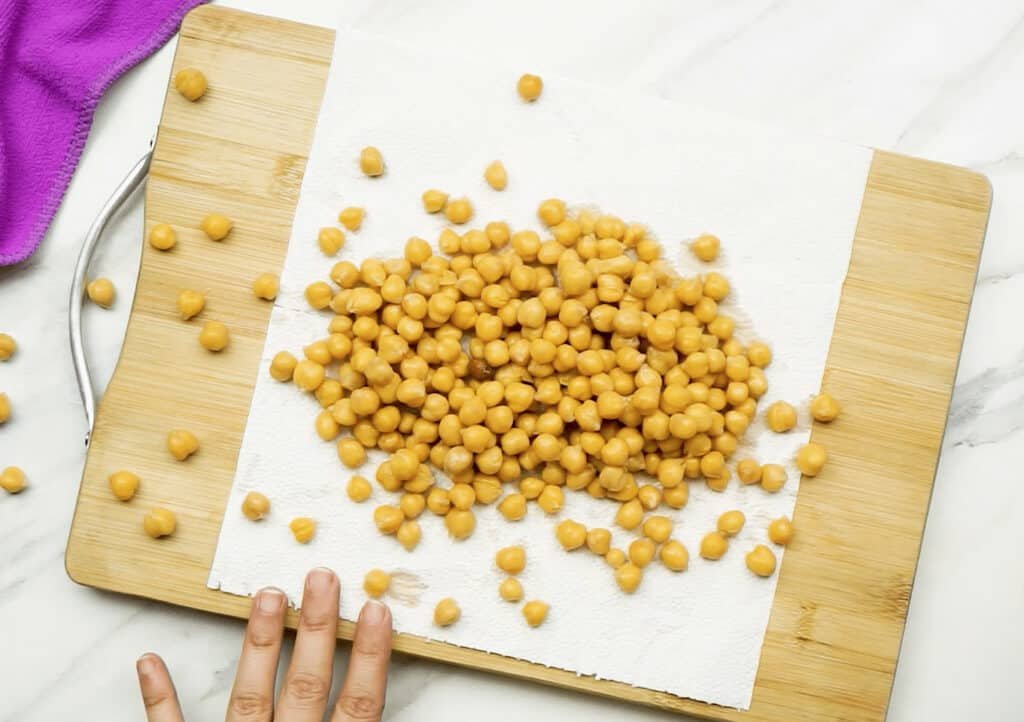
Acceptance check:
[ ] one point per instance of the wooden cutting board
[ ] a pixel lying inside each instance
(837, 620)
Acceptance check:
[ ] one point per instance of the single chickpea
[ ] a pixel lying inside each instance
(615, 558)
(674, 555)
(318, 295)
(191, 83)
(351, 218)
(551, 212)
(810, 458)
(409, 534)
(12, 480)
(213, 336)
(190, 303)
(780, 417)
(657, 528)
(511, 560)
(641, 551)
(712, 464)
(761, 561)
(460, 523)
(773, 477)
(124, 484)
(599, 541)
(101, 292)
(731, 522)
(371, 162)
(159, 522)
(388, 518)
(255, 506)
(5, 408)
(529, 87)
(434, 201)
(162, 237)
(676, 496)
(749, 471)
(446, 612)
(7, 346)
(551, 499)
(266, 286)
(759, 354)
(303, 528)
(351, 453)
(570, 534)
(308, 375)
(376, 583)
(535, 612)
(705, 247)
(462, 496)
(438, 501)
(513, 507)
(330, 240)
(358, 489)
(630, 514)
(510, 590)
(628, 576)
(824, 408)
(458, 211)
(713, 545)
(182, 444)
(780, 530)
(216, 226)
(496, 176)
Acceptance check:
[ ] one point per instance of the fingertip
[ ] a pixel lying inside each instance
(270, 600)
(375, 613)
(147, 664)
(321, 579)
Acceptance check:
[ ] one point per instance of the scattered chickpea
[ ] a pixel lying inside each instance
(213, 336)
(12, 480)
(162, 237)
(511, 560)
(7, 346)
(780, 417)
(731, 522)
(628, 576)
(446, 612)
(266, 286)
(308, 375)
(615, 558)
(351, 453)
(330, 240)
(101, 292)
(824, 408)
(761, 561)
(570, 534)
(388, 518)
(159, 522)
(303, 528)
(705, 247)
(658, 528)
(216, 226)
(529, 87)
(255, 506)
(458, 210)
(780, 531)
(371, 162)
(282, 366)
(191, 83)
(551, 212)
(535, 612)
(123, 484)
(641, 551)
(674, 555)
(434, 200)
(811, 458)
(551, 499)
(182, 444)
(713, 545)
(460, 523)
(599, 541)
(773, 477)
(510, 589)
(513, 507)
(748, 471)
(630, 514)
(5, 408)
(351, 218)
(190, 304)
(408, 534)
(376, 583)
(496, 176)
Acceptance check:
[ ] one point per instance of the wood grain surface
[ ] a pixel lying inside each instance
(838, 616)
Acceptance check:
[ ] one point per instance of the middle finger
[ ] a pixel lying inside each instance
(307, 683)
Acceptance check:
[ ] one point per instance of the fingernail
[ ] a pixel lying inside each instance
(320, 579)
(270, 600)
(373, 612)
(145, 664)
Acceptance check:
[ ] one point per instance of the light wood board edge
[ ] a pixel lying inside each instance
(833, 639)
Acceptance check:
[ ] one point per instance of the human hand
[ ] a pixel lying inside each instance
(307, 683)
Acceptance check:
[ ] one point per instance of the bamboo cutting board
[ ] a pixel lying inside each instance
(834, 634)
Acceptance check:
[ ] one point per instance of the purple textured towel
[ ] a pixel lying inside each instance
(57, 57)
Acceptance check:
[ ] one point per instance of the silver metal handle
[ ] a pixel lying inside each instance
(136, 176)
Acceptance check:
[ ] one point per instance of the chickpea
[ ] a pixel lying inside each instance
(628, 576)
(780, 531)
(677, 496)
(191, 83)
(358, 489)
(351, 453)
(599, 541)
(759, 354)
(511, 560)
(510, 590)
(388, 518)
(462, 496)
(458, 211)
(446, 612)
(761, 561)
(371, 162)
(810, 458)
(535, 612)
(773, 477)
(641, 552)
(657, 528)
(266, 286)
(182, 444)
(460, 523)
(780, 417)
(434, 201)
(216, 226)
(308, 375)
(748, 471)
(5, 408)
(731, 522)
(629, 515)
(712, 464)
(330, 240)
(713, 545)
(159, 522)
(529, 87)
(551, 212)
(409, 534)
(570, 534)
(162, 237)
(705, 247)
(190, 303)
(101, 292)
(12, 480)
(438, 501)
(255, 506)
(376, 583)
(674, 555)
(351, 218)
(824, 408)
(318, 295)
(496, 176)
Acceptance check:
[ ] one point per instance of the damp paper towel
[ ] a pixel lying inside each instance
(785, 208)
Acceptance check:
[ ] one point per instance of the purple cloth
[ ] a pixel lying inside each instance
(57, 57)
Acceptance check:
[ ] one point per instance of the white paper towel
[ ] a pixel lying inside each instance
(785, 208)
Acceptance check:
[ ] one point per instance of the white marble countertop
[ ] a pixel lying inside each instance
(928, 78)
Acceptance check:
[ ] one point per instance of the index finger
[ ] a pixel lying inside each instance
(362, 694)
(158, 695)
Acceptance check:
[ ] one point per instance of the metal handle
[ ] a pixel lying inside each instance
(136, 176)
